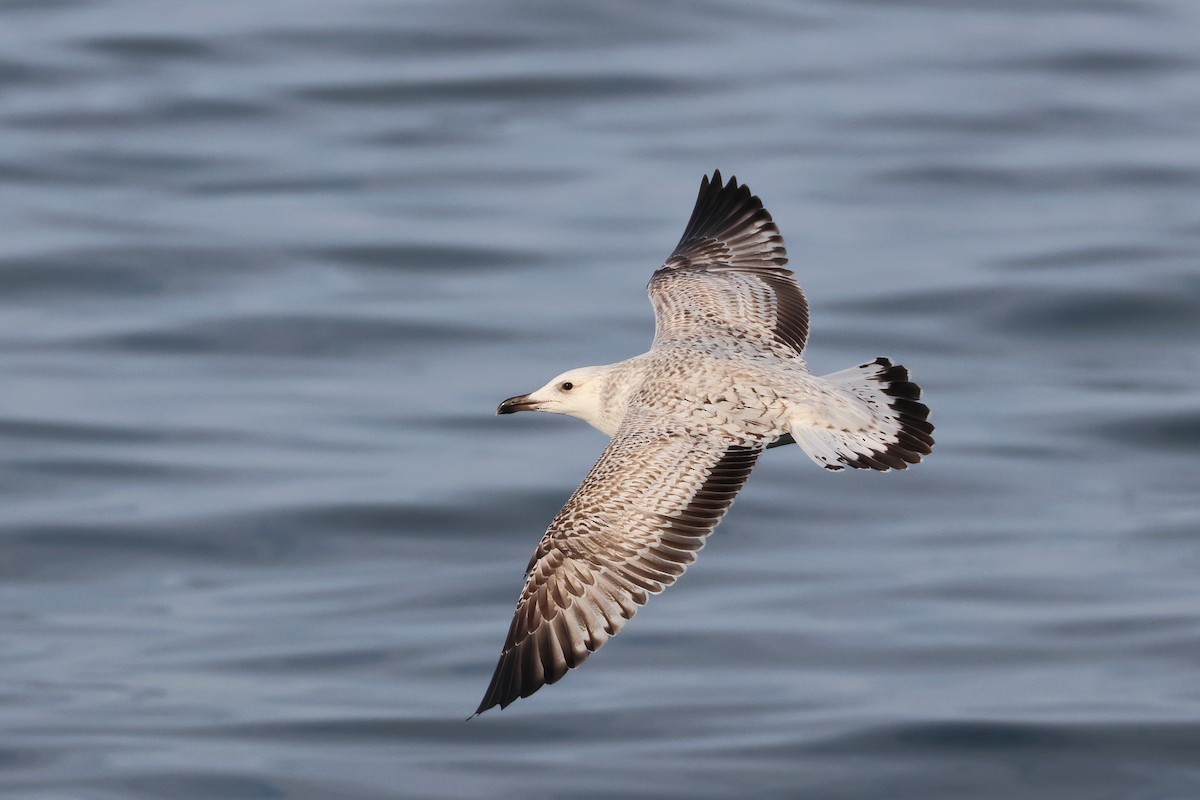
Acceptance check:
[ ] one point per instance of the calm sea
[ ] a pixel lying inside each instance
(266, 268)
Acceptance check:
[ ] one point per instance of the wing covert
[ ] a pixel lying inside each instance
(633, 526)
(726, 279)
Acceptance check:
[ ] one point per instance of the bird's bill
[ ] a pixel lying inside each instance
(521, 402)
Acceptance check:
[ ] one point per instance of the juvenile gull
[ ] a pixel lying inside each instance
(723, 381)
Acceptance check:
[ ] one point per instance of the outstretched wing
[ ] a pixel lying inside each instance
(633, 526)
(726, 280)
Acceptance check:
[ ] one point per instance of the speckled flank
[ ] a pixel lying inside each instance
(724, 380)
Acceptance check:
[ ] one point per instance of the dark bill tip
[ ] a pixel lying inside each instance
(514, 404)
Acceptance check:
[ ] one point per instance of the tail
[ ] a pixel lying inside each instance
(868, 417)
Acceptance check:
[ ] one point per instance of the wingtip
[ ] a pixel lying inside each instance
(732, 192)
(484, 706)
(717, 180)
(488, 701)
(729, 225)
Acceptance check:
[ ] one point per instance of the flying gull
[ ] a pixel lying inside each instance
(723, 381)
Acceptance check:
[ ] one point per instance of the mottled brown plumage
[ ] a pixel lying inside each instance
(723, 380)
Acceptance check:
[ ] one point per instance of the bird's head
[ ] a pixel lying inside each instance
(577, 393)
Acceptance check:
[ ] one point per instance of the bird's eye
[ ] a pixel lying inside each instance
(567, 386)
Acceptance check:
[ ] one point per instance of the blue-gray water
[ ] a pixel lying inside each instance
(266, 268)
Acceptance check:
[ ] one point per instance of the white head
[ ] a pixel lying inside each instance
(581, 393)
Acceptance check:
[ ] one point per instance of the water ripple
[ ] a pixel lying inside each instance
(266, 268)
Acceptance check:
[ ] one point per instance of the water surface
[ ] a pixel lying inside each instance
(267, 268)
